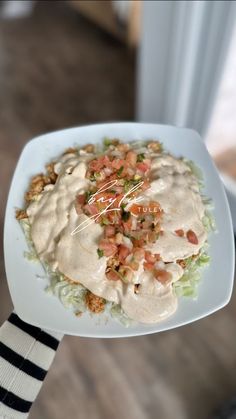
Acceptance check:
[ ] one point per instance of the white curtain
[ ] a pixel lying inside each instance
(181, 59)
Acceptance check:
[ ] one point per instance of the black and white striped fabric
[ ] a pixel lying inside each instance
(26, 353)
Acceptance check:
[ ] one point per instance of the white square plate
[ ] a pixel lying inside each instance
(31, 302)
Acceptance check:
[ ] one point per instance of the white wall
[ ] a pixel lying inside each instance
(181, 58)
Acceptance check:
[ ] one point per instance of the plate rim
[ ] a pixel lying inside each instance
(195, 137)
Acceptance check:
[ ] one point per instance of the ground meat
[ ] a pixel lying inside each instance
(70, 150)
(52, 175)
(155, 146)
(78, 313)
(89, 148)
(113, 263)
(182, 263)
(20, 214)
(94, 303)
(70, 281)
(37, 184)
(39, 181)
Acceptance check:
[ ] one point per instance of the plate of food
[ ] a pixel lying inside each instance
(118, 229)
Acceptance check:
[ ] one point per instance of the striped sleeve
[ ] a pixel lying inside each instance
(26, 353)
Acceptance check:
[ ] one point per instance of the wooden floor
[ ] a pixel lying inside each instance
(56, 71)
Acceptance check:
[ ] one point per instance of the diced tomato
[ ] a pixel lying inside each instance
(80, 199)
(78, 208)
(138, 242)
(98, 164)
(143, 167)
(113, 177)
(127, 225)
(117, 164)
(145, 185)
(191, 236)
(113, 276)
(114, 217)
(91, 209)
(162, 276)
(131, 158)
(179, 232)
(104, 182)
(150, 258)
(136, 209)
(109, 249)
(95, 165)
(107, 171)
(147, 162)
(138, 254)
(148, 266)
(79, 202)
(124, 251)
(105, 161)
(109, 231)
(118, 200)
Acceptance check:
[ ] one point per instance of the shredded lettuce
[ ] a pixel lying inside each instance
(203, 260)
(207, 202)
(208, 218)
(70, 295)
(73, 296)
(118, 313)
(31, 255)
(137, 143)
(187, 285)
(209, 221)
(106, 142)
(196, 171)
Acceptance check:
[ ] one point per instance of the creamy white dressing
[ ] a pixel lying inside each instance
(53, 218)
(177, 191)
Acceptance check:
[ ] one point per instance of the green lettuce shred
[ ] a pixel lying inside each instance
(70, 295)
(118, 313)
(196, 171)
(106, 142)
(208, 218)
(31, 255)
(209, 221)
(187, 285)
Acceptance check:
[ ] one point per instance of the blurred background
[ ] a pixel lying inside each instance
(67, 63)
